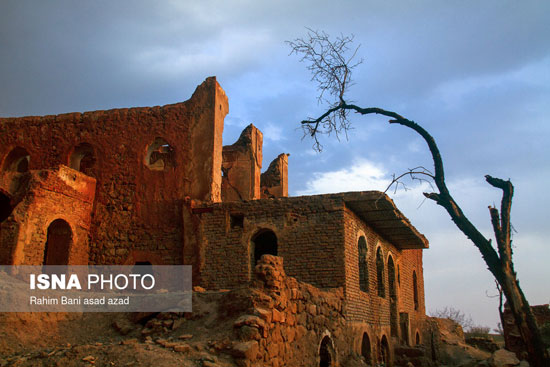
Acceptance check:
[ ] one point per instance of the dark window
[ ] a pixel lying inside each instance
(83, 158)
(380, 273)
(363, 265)
(237, 220)
(160, 155)
(17, 160)
(393, 297)
(415, 290)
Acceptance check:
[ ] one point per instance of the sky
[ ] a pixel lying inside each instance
(475, 74)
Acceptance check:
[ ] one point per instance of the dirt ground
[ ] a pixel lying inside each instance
(199, 338)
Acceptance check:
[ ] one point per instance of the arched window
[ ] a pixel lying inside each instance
(17, 160)
(393, 297)
(58, 243)
(363, 264)
(415, 291)
(159, 155)
(83, 158)
(326, 353)
(417, 338)
(380, 273)
(366, 349)
(265, 242)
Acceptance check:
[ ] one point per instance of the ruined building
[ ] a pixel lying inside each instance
(156, 186)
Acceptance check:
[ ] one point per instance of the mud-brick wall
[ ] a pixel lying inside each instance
(136, 208)
(368, 307)
(63, 194)
(290, 323)
(309, 231)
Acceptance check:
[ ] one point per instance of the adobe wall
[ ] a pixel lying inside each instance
(309, 232)
(366, 308)
(141, 180)
(286, 322)
(48, 195)
(241, 166)
(274, 181)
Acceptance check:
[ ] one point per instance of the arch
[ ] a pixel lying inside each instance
(393, 297)
(58, 243)
(326, 353)
(265, 242)
(141, 257)
(417, 338)
(17, 160)
(5, 206)
(83, 158)
(366, 349)
(415, 290)
(384, 352)
(362, 251)
(380, 273)
(159, 155)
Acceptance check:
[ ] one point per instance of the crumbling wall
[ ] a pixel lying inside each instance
(146, 162)
(290, 323)
(274, 181)
(52, 195)
(241, 167)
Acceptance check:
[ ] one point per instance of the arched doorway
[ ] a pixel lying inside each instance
(58, 243)
(265, 242)
(17, 160)
(83, 158)
(326, 353)
(366, 349)
(393, 297)
(384, 357)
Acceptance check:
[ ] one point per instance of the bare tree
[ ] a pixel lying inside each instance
(332, 69)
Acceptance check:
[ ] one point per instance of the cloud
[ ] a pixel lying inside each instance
(360, 176)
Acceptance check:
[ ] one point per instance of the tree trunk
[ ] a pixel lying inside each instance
(525, 321)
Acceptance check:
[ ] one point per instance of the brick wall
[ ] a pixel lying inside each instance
(137, 207)
(368, 308)
(309, 231)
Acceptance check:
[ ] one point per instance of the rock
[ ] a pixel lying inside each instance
(504, 358)
(90, 359)
(198, 289)
(247, 350)
(185, 336)
(483, 343)
(182, 348)
(249, 320)
(129, 341)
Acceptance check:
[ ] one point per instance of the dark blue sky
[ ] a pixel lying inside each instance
(475, 74)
